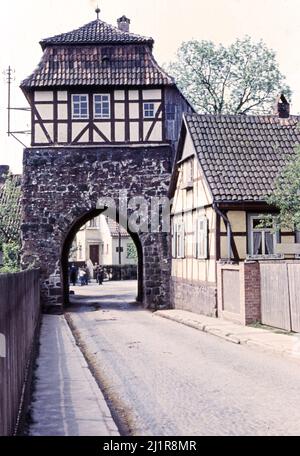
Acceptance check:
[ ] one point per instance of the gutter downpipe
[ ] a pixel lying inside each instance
(228, 228)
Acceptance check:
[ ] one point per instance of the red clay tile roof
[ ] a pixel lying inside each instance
(96, 32)
(242, 155)
(115, 228)
(97, 65)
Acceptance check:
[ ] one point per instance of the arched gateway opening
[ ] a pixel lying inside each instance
(67, 246)
(64, 189)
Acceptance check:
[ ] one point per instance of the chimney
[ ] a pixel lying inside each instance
(282, 107)
(123, 23)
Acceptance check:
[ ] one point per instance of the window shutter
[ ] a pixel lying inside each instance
(182, 240)
(195, 239)
(174, 239)
(201, 237)
(205, 232)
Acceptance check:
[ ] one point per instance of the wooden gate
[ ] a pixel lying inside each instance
(280, 295)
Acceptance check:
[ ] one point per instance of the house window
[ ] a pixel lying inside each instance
(149, 110)
(170, 111)
(262, 240)
(79, 106)
(101, 106)
(178, 240)
(93, 223)
(200, 237)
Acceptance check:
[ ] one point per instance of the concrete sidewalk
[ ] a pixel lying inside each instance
(268, 340)
(66, 399)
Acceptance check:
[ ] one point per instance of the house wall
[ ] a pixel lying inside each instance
(125, 241)
(52, 121)
(239, 226)
(106, 252)
(193, 281)
(100, 235)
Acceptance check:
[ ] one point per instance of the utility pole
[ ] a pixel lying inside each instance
(9, 79)
(9, 74)
(120, 251)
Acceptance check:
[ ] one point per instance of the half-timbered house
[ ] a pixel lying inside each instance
(225, 168)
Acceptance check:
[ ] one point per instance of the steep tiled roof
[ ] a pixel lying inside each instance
(242, 155)
(115, 228)
(97, 65)
(96, 32)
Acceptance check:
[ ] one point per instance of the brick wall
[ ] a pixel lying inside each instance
(252, 308)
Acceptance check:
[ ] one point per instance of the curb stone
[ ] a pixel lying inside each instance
(228, 336)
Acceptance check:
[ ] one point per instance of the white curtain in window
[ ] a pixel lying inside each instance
(269, 240)
(257, 236)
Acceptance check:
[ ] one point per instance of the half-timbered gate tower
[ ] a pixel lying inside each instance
(105, 119)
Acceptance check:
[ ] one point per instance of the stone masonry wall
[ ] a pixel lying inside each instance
(195, 297)
(61, 185)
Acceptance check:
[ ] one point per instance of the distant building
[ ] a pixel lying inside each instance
(103, 241)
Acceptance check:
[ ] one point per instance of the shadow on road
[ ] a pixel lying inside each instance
(118, 295)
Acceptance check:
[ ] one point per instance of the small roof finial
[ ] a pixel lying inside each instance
(97, 11)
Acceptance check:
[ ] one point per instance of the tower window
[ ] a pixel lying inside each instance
(170, 111)
(149, 110)
(79, 106)
(101, 106)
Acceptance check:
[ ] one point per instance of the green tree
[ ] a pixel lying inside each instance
(10, 220)
(239, 79)
(286, 195)
(11, 257)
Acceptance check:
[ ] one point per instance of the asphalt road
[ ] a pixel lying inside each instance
(164, 378)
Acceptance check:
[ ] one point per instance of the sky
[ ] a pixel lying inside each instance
(24, 23)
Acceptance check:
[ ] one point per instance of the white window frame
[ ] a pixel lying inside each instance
(80, 115)
(251, 232)
(201, 238)
(178, 239)
(107, 100)
(146, 110)
(93, 223)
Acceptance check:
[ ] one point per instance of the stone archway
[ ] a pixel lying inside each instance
(66, 248)
(61, 188)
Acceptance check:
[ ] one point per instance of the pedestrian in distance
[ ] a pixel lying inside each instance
(86, 277)
(100, 275)
(73, 275)
(82, 276)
